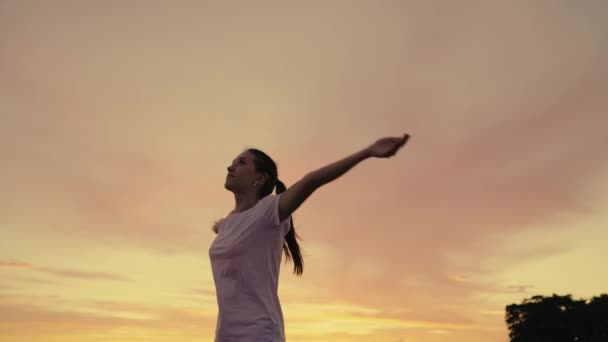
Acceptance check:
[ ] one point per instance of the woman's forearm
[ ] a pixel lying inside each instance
(293, 197)
(334, 170)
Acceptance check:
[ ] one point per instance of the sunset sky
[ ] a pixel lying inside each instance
(118, 120)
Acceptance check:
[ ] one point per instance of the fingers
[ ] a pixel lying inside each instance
(399, 142)
(396, 142)
(403, 140)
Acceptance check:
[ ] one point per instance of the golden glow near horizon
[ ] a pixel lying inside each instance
(117, 123)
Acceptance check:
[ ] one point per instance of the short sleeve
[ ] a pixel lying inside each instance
(271, 209)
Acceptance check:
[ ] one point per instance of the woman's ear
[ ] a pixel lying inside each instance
(263, 178)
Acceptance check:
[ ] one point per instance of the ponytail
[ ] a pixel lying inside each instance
(265, 164)
(290, 245)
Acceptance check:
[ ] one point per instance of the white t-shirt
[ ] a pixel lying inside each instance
(245, 259)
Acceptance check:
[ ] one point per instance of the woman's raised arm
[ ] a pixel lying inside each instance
(295, 195)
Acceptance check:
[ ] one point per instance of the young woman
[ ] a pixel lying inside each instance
(246, 253)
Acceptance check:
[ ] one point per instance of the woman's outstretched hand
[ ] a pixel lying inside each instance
(387, 147)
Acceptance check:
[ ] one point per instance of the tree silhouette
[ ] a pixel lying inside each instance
(558, 319)
(598, 317)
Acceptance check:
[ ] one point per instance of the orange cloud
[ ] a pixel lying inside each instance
(15, 264)
(69, 273)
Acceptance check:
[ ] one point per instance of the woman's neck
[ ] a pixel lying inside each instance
(244, 201)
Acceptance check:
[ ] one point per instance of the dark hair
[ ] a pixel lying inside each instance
(263, 163)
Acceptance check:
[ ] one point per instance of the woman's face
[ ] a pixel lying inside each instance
(242, 174)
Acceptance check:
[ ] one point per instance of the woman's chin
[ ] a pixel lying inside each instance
(229, 186)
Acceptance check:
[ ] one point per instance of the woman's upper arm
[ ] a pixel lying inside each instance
(294, 196)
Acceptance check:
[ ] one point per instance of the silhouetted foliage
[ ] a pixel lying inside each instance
(558, 319)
